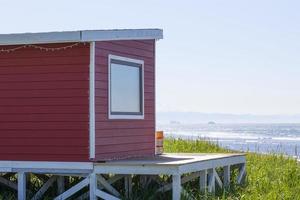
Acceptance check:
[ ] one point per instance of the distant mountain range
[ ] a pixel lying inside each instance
(198, 117)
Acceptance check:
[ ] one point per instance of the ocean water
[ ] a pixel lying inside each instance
(263, 138)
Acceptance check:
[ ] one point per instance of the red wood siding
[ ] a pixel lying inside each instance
(117, 139)
(44, 104)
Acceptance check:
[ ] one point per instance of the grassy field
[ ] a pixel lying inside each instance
(268, 177)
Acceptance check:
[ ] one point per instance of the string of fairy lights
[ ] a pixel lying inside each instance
(42, 48)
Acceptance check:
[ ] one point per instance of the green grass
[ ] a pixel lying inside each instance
(268, 176)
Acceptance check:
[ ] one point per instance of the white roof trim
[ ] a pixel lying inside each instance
(80, 36)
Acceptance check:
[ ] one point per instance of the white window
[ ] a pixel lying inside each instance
(126, 88)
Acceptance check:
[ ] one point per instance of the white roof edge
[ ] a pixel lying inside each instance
(80, 36)
(126, 34)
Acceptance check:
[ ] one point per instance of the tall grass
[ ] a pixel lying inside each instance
(268, 176)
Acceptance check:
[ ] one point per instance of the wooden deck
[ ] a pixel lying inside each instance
(182, 167)
(173, 159)
(195, 165)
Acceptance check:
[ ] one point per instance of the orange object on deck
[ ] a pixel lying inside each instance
(159, 135)
(159, 142)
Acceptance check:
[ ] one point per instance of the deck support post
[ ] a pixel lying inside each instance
(93, 186)
(60, 184)
(211, 181)
(203, 181)
(21, 186)
(128, 186)
(176, 187)
(226, 176)
(242, 174)
(217, 179)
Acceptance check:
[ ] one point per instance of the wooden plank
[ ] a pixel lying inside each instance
(112, 46)
(146, 41)
(117, 140)
(44, 69)
(101, 55)
(102, 50)
(92, 112)
(107, 186)
(43, 93)
(128, 186)
(136, 44)
(44, 188)
(44, 110)
(119, 49)
(44, 125)
(179, 160)
(212, 160)
(44, 85)
(112, 180)
(73, 190)
(43, 77)
(218, 180)
(203, 180)
(126, 154)
(21, 186)
(134, 131)
(62, 175)
(46, 101)
(8, 183)
(184, 180)
(125, 124)
(93, 186)
(43, 117)
(52, 150)
(226, 176)
(33, 156)
(31, 52)
(115, 178)
(105, 195)
(126, 147)
(79, 142)
(61, 184)
(38, 61)
(176, 187)
(44, 134)
(211, 181)
(242, 174)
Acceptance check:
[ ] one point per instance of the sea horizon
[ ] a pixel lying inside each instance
(278, 138)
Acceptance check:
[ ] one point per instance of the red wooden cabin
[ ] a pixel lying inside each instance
(77, 96)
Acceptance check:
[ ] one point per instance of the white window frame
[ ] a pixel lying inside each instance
(125, 116)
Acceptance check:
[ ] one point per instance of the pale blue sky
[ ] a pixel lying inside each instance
(217, 56)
